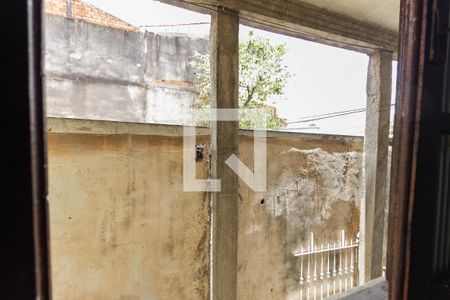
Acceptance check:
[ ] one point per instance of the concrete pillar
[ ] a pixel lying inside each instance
(376, 142)
(224, 142)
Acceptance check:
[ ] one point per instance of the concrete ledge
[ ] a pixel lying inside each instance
(83, 126)
(376, 289)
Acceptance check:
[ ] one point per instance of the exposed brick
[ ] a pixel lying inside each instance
(86, 12)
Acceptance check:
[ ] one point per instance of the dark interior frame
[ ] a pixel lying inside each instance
(24, 266)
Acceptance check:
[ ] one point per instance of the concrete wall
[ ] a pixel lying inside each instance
(98, 72)
(313, 186)
(122, 228)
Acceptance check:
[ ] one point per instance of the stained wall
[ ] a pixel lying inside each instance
(122, 227)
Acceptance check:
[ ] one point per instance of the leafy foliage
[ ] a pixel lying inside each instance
(262, 78)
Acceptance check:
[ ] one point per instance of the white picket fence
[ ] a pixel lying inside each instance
(329, 269)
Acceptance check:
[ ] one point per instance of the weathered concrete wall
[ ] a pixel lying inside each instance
(313, 186)
(98, 72)
(122, 228)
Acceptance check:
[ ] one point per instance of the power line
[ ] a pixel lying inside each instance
(173, 25)
(325, 115)
(300, 128)
(329, 115)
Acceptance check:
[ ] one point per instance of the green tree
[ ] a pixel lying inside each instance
(262, 78)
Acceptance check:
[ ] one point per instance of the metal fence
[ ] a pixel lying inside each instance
(327, 270)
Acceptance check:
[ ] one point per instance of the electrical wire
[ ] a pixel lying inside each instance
(329, 115)
(173, 25)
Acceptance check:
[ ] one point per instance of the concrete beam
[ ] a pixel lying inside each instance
(303, 20)
(376, 142)
(224, 142)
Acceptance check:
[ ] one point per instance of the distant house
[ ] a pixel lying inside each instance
(111, 70)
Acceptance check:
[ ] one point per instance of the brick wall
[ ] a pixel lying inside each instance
(79, 10)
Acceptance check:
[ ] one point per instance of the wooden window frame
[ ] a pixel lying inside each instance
(24, 266)
(25, 263)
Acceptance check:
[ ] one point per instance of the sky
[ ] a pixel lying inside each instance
(326, 79)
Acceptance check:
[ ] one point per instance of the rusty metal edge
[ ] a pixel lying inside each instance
(404, 152)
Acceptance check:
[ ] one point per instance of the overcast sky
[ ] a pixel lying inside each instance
(326, 79)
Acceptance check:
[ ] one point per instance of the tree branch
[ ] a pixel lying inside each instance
(250, 93)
